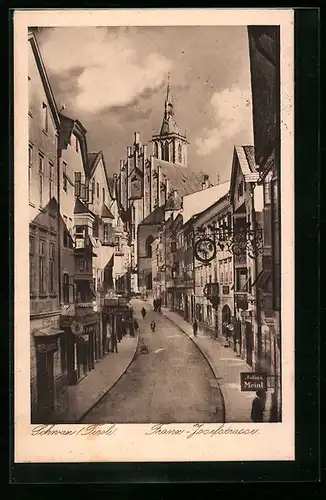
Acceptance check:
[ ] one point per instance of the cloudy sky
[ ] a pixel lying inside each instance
(114, 81)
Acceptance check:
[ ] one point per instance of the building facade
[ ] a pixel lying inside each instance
(46, 376)
(264, 51)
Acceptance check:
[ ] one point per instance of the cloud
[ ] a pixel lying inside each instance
(109, 69)
(232, 114)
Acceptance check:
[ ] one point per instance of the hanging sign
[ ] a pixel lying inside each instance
(205, 250)
(77, 328)
(252, 381)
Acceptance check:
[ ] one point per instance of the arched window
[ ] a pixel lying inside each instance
(165, 151)
(148, 246)
(180, 153)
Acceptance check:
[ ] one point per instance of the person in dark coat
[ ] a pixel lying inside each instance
(195, 327)
(153, 326)
(114, 342)
(258, 406)
(155, 305)
(143, 312)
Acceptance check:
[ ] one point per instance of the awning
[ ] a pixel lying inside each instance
(47, 332)
(262, 278)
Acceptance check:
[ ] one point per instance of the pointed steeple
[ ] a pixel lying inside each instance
(169, 124)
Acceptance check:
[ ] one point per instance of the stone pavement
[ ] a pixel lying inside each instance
(79, 399)
(226, 367)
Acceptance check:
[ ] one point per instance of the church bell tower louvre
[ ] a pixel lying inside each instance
(170, 145)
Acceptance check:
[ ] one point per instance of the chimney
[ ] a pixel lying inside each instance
(205, 184)
(122, 164)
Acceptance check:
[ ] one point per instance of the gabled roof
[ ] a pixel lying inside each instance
(106, 212)
(67, 127)
(244, 156)
(183, 179)
(81, 208)
(154, 218)
(44, 77)
(93, 161)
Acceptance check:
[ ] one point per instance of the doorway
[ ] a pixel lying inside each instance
(45, 382)
(226, 320)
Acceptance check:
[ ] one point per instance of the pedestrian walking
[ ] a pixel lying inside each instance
(155, 305)
(153, 326)
(131, 329)
(114, 342)
(143, 312)
(195, 327)
(258, 406)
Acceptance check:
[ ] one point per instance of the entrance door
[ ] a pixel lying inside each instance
(249, 343)
(45, 382)
(226, 320)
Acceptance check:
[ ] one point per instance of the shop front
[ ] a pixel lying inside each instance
(46, 349)
(82, 335)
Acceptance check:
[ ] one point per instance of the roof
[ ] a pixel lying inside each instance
(93, 160)
(204, 199)
(245, 156)
(106, 212)
(67, 126)
(183, 179)
(154, 218)
(44, 77)
(81, 208)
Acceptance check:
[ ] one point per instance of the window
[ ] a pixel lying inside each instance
(30, 166)
(106, 232)
(93, 191)
(103, 194)
(31, 264)
(64, 176)
(117, 244)
(148, 246)
(86, 190)
(41, 176)
(77, 183)
(226, 272)
(66, 288)
(241, 280)
(51, 178)
(51, 267)
(180, 153)
(83, 191)
(230, 271)
(95, 228)
(97, 190)
(240, 189)
(41, 267)
(45, 118)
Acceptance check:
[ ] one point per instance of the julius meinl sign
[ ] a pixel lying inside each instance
(251, 381)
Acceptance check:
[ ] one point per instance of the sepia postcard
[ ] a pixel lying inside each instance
(154, 235)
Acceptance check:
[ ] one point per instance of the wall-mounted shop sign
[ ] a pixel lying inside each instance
(251, 381)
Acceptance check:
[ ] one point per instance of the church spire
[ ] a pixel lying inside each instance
(168, 101)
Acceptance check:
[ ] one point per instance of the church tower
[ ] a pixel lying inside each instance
(169, 145)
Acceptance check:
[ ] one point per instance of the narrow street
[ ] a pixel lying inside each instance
(172, 383)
